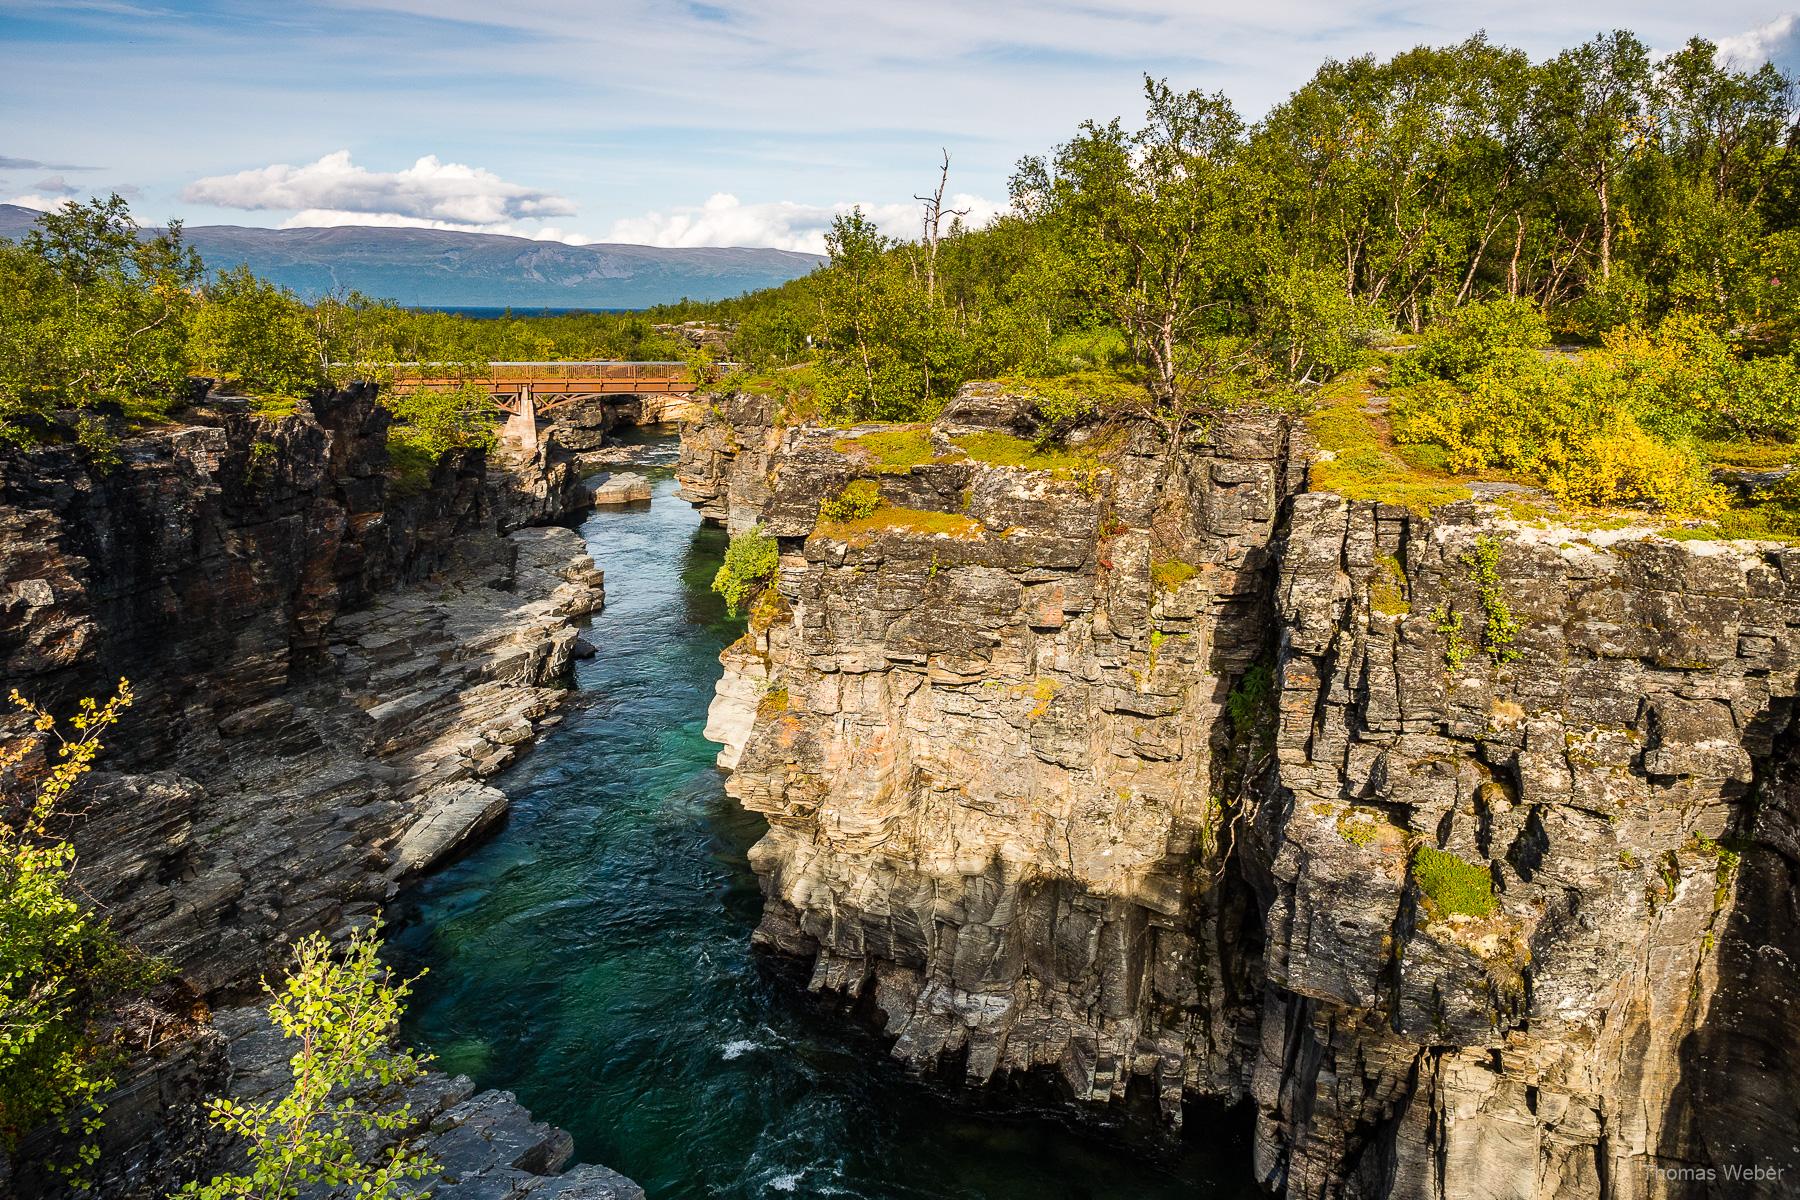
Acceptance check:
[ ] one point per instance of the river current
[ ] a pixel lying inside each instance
(594, 958)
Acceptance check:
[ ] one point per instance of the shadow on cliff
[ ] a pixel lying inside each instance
(1734, 1108)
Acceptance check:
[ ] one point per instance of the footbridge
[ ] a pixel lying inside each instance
(527, 390)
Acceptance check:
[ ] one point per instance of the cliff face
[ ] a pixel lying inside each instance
(327, 664)
(1463, 845)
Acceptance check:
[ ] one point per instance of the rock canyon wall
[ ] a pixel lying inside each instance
(1462, 846)
(329, 660)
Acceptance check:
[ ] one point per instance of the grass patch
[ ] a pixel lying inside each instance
(274, 407)
(890, 451)
(1170, 573)
(1364, 463)
(1452, 886)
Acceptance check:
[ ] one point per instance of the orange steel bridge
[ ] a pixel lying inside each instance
(525, 390)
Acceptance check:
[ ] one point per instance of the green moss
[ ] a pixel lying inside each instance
(1005, 450)
(892, 518)
(274, 406)
(1452, 886)
(1387, 594)
(1169, 574)
(890, 451)
(1754, 456)
(1358, 826)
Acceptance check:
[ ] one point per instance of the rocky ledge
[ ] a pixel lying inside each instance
(329, 664)
(1462, 845)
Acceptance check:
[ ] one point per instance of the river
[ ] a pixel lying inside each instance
(594, 958)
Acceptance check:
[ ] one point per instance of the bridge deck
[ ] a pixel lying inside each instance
(554, 378)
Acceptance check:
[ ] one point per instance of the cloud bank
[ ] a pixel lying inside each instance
(1778, 42)
(335, 191)
(724, 220)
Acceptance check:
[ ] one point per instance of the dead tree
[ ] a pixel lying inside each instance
(935, 212)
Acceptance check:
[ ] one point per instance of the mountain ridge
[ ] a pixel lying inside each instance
(441, 267)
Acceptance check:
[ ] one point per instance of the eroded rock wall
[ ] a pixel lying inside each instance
(327, 666)
(1505, 907)
(985, 754)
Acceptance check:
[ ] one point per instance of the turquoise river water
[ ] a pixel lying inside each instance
(594, 958)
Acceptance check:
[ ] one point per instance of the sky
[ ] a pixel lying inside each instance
(686, 123)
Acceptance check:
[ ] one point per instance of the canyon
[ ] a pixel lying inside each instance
(330, 661)
(1457, 847)
(1460, 845)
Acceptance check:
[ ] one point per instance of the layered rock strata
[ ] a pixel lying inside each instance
(328, 665)
(1463, 845)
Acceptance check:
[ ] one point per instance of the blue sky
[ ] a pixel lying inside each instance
(718, 122)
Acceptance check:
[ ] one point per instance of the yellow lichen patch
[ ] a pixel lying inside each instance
(891, 518)
(890, 451)
(1359, 459)
(774, 702)
(1042, 690)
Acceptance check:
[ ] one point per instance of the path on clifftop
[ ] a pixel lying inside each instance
(595, 958)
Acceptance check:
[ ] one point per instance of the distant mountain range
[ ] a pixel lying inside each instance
(438, 268)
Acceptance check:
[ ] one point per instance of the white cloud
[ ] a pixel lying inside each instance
(1778, 42)
(430, 193)
(724, 220)
(41, 203)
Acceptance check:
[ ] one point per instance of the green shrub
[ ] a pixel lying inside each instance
(61, 964)
(1452, 886)
(1474, 337)
(750, 559)
(860, 498)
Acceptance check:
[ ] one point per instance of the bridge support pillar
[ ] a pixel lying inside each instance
(521, 427)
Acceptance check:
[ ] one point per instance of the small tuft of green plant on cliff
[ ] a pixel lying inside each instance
(860, 498)
(1449, 623)
(1499, 628)
(750, 559)
(1452, 886)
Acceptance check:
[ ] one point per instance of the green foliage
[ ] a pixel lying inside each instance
(1362, 465)
(438, 421)
(1475, 336)
(61, 965)
(1451, 885)
(1610, 427)
(1250, 701)
(93, 318)
(1449, 622)
(342, 1014)
(750, 559)
(860, 498)
(1311, 327)
(257, 335)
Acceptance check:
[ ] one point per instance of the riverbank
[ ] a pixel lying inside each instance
(330, 660)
